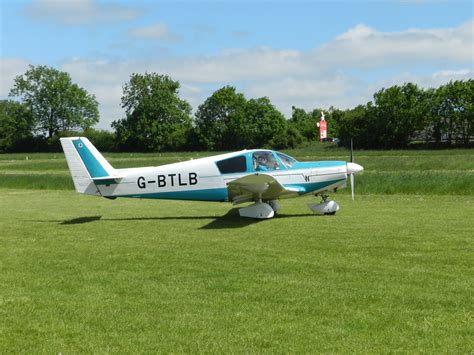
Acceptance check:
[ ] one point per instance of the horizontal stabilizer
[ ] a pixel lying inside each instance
(107, 180)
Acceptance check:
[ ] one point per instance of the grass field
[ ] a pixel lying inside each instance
(391, 272)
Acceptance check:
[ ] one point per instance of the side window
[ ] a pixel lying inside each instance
(263, 161)
(232, 165)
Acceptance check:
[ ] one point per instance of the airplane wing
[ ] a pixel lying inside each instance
(250, 187)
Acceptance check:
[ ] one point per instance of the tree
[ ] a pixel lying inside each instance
(56, 104)
(156, 118)
(396, 115)
(264, 125)
(226, 121)
(400, 113)
(293, 137)
(16, 124)
(359, 124)
(453, 111)
(103, 140)
(305, 123)
(219, 120)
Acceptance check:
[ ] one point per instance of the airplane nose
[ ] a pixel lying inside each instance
(353, 168)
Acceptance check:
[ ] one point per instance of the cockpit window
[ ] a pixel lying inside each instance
(287, 160)
(232, 165)
(264, 161)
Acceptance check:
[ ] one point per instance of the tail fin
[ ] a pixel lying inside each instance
(86, 164)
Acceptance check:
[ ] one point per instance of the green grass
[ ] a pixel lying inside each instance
(391, 272)
(83, 274)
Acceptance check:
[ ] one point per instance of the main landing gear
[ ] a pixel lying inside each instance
(260, 210)
(267, 209)
(325, 207)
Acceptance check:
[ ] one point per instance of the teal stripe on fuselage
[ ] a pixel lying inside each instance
(313, 186)
(316, 164)
(92, 165)
(218, 194)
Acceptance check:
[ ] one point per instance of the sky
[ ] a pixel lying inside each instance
(306, 54)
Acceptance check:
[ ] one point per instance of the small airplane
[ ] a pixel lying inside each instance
(260, 176)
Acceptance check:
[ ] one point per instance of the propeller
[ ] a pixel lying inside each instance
(353, 168)
(352, 175)
(352, 152)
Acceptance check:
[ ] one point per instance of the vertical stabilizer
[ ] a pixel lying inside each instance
(85, 163)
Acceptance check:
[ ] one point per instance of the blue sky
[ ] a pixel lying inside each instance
(303, 53)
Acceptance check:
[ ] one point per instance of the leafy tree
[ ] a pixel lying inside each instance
(56, 104)
(400, 114)
(433, 129)
(396, 115)
(219, 120)
(293, 137)
(305, 123)
(264, 125)
(359, 124)
(16, 124)
(466, 116)
(156, 118)
(452, 111)
(102, 140)
(226, 121)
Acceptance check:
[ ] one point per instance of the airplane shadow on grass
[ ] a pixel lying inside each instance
(230, 220)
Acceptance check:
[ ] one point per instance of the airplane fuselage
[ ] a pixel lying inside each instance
(201, 179)
(259, 176)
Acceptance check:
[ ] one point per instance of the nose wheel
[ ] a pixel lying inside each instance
(325, 207)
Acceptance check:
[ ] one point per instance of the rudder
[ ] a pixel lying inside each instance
(85, 163)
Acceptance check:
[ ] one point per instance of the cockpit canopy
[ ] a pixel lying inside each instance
(258, 160)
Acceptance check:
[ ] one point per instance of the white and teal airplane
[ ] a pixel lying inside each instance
(259, 176)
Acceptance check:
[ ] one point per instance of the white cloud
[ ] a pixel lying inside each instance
(239, 65)
(310, 89)
(432, 80)
(365, 47)
(79, 12)
(307, 93)
(9, 69)
(461, 74)
(228, 66)
(159, 31)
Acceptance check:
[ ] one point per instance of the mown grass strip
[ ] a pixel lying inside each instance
(36, 181)
(372, 160)
(403, 182)
(416, 182)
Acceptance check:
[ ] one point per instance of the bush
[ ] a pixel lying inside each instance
(104, 141)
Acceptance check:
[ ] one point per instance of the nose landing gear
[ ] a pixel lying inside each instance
(325, 207)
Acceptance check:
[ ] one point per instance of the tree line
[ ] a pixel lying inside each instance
(45, 105)
(400, 114)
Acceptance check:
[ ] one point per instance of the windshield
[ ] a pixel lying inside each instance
(287, 160)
